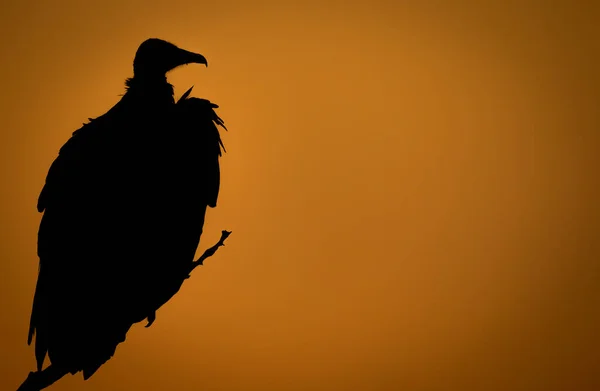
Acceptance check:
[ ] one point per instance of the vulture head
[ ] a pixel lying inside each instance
(155, 57)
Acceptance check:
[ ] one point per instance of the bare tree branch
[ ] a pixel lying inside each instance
(211, 251)
(37, 381)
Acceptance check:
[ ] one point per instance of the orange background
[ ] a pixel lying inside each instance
(412, 189)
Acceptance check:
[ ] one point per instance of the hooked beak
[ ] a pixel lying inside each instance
(187, 57)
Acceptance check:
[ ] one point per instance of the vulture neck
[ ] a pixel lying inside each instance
(150, 90)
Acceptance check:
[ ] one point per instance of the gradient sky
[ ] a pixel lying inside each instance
(412, 190)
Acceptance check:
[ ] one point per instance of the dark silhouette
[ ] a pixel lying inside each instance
(124, 205)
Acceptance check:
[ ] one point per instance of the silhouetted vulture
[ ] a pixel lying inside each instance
(124, 205)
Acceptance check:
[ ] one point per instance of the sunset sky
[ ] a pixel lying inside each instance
(412, 189)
